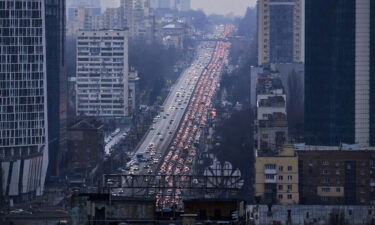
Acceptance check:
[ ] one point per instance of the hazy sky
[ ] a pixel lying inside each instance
(223, 6)
(209, 6)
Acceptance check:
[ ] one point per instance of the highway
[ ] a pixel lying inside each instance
(183, 151)
(165, 125)
(168, 147)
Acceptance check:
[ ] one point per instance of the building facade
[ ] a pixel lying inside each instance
(336, 176)
(138, 18)
(102, 73)
(85, 149)
(276, 178)
(340, 64)
(56, 81)
(280, 31)
(23, 99)
(271, 124)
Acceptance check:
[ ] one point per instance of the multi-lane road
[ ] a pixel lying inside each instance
(149, 153)
(168, 147)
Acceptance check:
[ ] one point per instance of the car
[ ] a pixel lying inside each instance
(20, 211)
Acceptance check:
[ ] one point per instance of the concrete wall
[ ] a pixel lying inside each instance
(311, 214)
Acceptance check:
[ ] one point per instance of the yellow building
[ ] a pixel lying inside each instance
(276, 179)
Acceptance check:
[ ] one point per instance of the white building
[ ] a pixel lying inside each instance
(23, 99)
(281, 31)
(102, 73)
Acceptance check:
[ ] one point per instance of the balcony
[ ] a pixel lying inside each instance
(270, 180)
(270, 171)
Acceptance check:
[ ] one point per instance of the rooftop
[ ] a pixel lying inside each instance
(343, 147)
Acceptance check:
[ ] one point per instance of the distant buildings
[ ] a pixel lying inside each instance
(280, 31)
(180, 5)
(23, 97)
(174, 34)
(102, 73)
(340, 68)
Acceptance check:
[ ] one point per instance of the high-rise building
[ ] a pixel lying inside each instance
(56, 80)
(340, 72)
(181, 5)
(102, 73)
(84, 3)
(280, 31)
(23, 99)
(139, 18)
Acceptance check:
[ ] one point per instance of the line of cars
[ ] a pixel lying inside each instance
(166, 123)
(182, 152)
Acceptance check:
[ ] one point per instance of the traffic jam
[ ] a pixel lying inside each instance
(182, 152)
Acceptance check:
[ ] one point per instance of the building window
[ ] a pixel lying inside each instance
(337, 172)
(325, 180)
(325, 163)
(338, 189)
(281, 177)
(280, 187)
(281, 168)
(280, 196)
(290, 187)
(326, 189)
(325, 172)
(290, 168)
(270, 166)
(290, 177)
(270, 176)
(289, 196)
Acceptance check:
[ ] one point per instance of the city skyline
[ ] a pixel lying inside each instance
(223, 7)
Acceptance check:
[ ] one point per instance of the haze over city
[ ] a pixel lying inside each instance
(187, 112)
(224, 7)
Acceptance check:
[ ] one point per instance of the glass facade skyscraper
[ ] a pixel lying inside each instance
(23, 102)
(338, 79)
(56, 80)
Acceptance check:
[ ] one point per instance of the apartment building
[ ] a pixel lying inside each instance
(102, 73)
(336, 175)
(280, 31)
(276, 178)
(271, 124)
